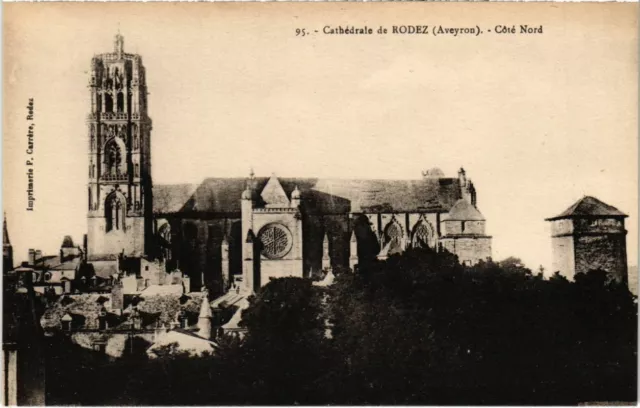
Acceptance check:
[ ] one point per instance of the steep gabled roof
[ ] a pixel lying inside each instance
(589, 206)
(463, 211)
(222, 195)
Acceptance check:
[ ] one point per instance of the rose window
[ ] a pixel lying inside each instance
(276, 241)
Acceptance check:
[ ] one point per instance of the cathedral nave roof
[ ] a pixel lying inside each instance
(337, 196)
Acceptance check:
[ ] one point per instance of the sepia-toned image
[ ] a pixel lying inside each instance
(320, 204)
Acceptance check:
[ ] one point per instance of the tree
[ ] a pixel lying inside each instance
(285, 349)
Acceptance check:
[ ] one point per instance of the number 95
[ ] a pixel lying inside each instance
(301, 32)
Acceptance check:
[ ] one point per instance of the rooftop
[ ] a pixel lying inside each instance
(222, 195)
(589, 206)
(463, 211)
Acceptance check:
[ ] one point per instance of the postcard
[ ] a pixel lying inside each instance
(320, 203)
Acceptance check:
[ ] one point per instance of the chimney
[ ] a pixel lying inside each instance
(38, 255)
(32, 256)
(462, 176)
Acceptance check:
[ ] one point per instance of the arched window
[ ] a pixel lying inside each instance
(90, 200)
(115, 208)
(422, 235)
(120, 102)
(108, 103)
(137, 170)
(393, 238)
(112, 158)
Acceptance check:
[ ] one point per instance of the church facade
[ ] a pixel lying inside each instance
(244, 231)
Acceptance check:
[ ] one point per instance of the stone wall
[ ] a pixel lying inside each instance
(132, 241)
(606, 252)
(470, 250)
(563, 257)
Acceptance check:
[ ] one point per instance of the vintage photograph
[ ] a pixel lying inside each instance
(320, 204)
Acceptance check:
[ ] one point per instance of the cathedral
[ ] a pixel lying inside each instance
(241, 232)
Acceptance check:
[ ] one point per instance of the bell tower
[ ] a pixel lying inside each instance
(119, 190)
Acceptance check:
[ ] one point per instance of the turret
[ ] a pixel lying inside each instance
(204, 319)
(248, 262)
(353, 251)
(224, 255)
(326, 259)
(295, 197)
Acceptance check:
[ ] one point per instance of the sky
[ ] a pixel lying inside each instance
(537, 121)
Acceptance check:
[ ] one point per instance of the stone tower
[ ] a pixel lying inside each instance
(119, 129)
(7, 248)
(589, 235)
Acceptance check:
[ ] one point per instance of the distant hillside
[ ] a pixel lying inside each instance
(633, 279)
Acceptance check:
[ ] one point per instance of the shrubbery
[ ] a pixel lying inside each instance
(418, 328)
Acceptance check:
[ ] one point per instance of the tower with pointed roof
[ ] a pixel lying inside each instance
(589, 235)
(7, 248)
(119, 129)
(204, 318)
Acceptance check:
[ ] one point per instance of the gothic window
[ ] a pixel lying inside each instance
(393, 238)
(120, 102)
(113, 158)
(118, 78)
(422, 235)
(90, 200)
(137, 170)
(115, 208)
(276, 241)
(93, 140)
(108, 103)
